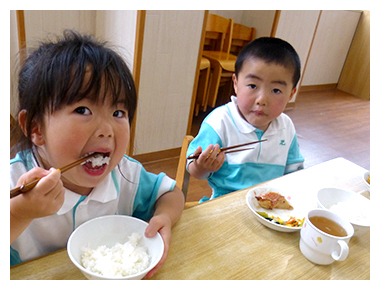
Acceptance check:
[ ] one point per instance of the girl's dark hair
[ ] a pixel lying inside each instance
(54, 76)
(270, 49)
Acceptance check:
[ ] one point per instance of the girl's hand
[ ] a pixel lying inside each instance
(46, 198)
(159, 224)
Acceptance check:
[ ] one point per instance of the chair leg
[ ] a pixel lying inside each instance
(216, 72)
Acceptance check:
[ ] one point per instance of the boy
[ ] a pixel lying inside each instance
(267, 71)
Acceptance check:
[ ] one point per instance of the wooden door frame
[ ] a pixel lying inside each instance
(137, 58)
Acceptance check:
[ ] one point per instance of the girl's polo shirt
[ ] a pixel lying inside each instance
(270, 159)
(128, 190)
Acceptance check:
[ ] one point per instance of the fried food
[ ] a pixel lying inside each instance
(273, 200)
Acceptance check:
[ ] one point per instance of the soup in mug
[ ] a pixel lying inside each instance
(328, 226)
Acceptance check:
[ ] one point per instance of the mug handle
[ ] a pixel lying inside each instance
(343, 251)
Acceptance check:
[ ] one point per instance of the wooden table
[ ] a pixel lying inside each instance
(221, 239)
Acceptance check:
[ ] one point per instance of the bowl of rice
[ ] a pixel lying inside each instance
(349, 205)
(114, 247)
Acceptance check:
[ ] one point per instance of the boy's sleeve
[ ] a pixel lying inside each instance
(205, 137)
(295, 159)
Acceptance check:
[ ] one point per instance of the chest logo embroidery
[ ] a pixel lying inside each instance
(282, 143)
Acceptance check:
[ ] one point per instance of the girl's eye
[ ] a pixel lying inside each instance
(119, 114)
(82, 111)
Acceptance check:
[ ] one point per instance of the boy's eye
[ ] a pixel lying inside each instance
(119, 114)
(276, 91)
(82, 111)
(252, 86)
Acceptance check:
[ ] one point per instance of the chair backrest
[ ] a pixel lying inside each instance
(183, 175)
(241, 36)
(218, 33)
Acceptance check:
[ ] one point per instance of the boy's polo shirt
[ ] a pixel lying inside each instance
(270, 159)
(127, 190)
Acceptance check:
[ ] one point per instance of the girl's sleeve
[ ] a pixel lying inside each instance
(151, 187)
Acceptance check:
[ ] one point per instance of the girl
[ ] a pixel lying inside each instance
(76, 97)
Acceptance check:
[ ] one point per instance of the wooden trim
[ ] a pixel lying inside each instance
(139, 40)
(158, 155)
(317, 87)
(276, 19)
(21, 35)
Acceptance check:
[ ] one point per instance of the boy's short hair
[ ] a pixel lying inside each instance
(271, 49)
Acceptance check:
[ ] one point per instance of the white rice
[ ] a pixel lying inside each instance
(350, 211)
(120, 260)
(99, 160)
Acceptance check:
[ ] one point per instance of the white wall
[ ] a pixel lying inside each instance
(332, 41)
(169, 59)
(297, 27)
(40, 24)
(119, 28)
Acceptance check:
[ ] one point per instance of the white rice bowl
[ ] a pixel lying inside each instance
(114, 247)
(349, 205)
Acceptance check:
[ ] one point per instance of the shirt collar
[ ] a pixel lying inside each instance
(241, 124)
(104, 192)
(244, 127)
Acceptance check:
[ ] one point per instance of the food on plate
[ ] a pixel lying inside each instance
(273, 200)
(368, 179)
(120, 260)
(291, 222)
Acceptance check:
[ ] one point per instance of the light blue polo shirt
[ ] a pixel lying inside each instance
(273, 158)
(128, 190)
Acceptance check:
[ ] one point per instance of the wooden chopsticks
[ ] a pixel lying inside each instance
(26, 187)
(228, 149)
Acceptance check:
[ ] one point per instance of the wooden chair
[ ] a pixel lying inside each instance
(183, 176)
(241, 36)
(218, 33)
(216, 48)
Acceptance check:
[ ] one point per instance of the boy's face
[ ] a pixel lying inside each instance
(262, 90)
(81, 128)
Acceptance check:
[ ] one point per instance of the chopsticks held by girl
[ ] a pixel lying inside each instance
(77, 96)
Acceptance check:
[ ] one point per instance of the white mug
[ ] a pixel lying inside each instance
(320, 247)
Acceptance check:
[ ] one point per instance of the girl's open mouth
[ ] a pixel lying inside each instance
(96, 165)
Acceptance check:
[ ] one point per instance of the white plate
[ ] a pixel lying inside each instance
(299, 212)
(365, 177)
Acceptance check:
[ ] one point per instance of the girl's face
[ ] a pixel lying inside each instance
(262, 91)
(81, 128)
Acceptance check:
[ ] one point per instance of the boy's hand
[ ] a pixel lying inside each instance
(210, 160)
(46, 198)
